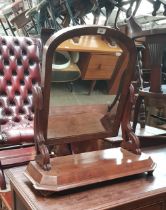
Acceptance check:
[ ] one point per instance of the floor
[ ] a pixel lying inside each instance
(61, 94)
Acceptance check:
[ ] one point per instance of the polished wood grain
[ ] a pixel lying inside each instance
(67, 110)
(130, 193)
(76, 120)
(89, 44)
(90, 145)
(68, 128)
(20, 155)
(120, 68)
(87, 168)
(12, 157)
(97, 66)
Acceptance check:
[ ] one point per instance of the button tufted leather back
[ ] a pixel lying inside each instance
(19, 72)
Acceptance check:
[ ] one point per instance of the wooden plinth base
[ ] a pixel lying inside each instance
(87, 168)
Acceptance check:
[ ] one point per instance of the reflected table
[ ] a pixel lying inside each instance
(97, 60)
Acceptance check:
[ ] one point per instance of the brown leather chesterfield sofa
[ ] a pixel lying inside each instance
(19, 72)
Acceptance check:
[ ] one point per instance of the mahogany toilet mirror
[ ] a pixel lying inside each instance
(61, 173)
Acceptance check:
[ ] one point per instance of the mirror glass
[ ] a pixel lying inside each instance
(82, 68)
(86, 73)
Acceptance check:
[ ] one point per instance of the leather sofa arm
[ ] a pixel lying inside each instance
(16, 136)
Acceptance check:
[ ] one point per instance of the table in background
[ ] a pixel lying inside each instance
(97, 58)
(130, 193)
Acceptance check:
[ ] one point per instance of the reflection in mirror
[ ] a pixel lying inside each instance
(86, 70)
(82, 68)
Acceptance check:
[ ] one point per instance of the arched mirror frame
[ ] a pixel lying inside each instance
(42, 93)
(125, 43)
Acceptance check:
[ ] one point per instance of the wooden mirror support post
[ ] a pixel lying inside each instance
(65, 172)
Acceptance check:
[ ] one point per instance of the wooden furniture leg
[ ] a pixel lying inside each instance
(136, 111)
(2, 179)
(142, 114)
(3, 27)
(9, 25)
(93, 83)
(140, 105)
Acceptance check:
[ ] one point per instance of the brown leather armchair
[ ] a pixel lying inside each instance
(19, 72)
